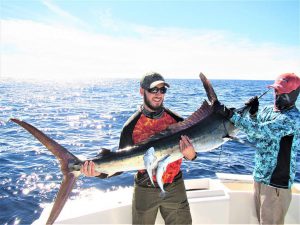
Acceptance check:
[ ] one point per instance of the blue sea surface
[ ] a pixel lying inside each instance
(86, 116)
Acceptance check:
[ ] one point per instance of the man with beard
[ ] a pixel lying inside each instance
(275, 130)
(151, 118)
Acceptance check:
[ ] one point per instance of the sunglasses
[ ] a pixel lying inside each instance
(155, 90)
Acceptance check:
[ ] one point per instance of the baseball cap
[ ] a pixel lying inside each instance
(152, 79)
(286, 83)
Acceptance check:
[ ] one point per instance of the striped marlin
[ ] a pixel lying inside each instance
(206, 128)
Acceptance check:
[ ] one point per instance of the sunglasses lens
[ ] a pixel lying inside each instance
(155, 90)
(163, 90)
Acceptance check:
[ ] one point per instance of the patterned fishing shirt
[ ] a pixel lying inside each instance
(276, 136)
(139, 128)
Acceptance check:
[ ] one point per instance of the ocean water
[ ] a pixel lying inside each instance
(85, 116)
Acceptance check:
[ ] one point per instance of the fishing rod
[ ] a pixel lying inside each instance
(264, 93)
(242, 110)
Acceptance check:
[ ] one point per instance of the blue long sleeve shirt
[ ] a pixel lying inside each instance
(276, 136)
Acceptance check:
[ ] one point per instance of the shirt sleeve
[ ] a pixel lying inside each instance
(125, 139)
(126, 133)
(264, 126)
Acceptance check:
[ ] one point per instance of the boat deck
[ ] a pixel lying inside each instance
(227, 200)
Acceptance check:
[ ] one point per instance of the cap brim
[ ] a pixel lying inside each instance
(155, 83)
(279, 88)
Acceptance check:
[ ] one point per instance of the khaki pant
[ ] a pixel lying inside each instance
(174, 207)
(271, 203)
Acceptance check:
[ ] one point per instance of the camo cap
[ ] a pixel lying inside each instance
(152, 79)
(286, 83)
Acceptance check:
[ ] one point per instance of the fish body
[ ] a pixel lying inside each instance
(206, 129)
(206, 134)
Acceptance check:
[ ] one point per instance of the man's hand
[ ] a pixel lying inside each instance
(88, 169)
(222, 110)
(253, 103)
(187, 148)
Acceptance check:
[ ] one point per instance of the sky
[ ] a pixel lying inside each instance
(87, 39)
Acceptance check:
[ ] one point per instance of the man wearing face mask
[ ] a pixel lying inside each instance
(275, 130)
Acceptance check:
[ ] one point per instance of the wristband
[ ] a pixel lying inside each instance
(195, 157)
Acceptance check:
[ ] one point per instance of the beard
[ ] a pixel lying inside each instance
(150, 106)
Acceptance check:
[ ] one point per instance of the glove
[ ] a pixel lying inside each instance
(222, 110)
(253, 103)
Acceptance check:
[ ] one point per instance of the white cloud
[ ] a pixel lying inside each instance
(33, 49)
(60, 12)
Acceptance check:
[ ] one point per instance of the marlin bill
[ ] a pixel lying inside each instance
(206, 128)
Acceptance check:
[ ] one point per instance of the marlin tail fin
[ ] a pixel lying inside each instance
(65, 158)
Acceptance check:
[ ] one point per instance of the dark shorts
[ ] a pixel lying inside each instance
(174, 207)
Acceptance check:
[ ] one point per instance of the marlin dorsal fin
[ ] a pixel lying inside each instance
(212, 97)
(204, 111)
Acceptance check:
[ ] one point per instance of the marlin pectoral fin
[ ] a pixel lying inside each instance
(149, 162)
(62, 196)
